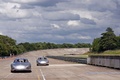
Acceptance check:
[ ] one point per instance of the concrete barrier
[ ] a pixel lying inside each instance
(88, 60)
(71, 59)
(104, 60)
(117, 62)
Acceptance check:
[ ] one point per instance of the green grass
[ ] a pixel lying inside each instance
(105, 53)
(108, 53)
(115, 52)
(78, 55)
(83, 56)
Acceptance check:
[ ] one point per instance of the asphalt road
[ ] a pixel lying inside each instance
(57, 70)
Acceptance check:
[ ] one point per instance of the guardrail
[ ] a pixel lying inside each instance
(71, 59)
(105, 61)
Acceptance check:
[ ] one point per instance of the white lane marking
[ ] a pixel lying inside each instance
(65, 65)
(42, 75)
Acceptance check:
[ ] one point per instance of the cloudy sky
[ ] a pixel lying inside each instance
(58, 21)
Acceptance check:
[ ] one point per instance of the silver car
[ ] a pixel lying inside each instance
(42, 61)
(21, 64)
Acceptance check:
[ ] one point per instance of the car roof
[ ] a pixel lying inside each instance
(20, 58)
(42, 56)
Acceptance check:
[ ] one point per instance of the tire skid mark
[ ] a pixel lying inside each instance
(38, 76)
(6, 76)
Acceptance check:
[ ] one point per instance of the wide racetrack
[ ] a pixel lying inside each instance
(57, 70)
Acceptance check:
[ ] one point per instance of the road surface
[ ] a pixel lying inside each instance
(57, 70)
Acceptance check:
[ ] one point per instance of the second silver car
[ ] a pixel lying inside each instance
(42, 61)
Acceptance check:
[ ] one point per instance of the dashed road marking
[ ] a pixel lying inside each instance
(42, 74)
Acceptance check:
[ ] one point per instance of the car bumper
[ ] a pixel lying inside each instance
(24, 69)
(42, 64)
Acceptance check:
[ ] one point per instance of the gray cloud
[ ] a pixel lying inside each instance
(57, 16)
(58, 21)
(87, 21)
(47, 3)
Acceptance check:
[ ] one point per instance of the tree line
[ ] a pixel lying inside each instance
(9, 47)
(108, 41)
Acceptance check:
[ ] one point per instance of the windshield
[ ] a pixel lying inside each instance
(42, 58)
(21, 60)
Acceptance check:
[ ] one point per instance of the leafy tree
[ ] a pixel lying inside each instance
(96, 45)
(6, 45)
(7, 40)
(118, 42)
(3, 50)
(108, 41)
(109, 30)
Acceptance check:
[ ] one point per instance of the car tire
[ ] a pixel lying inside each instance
(37, 64)
(30, 71)
(12, 71)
